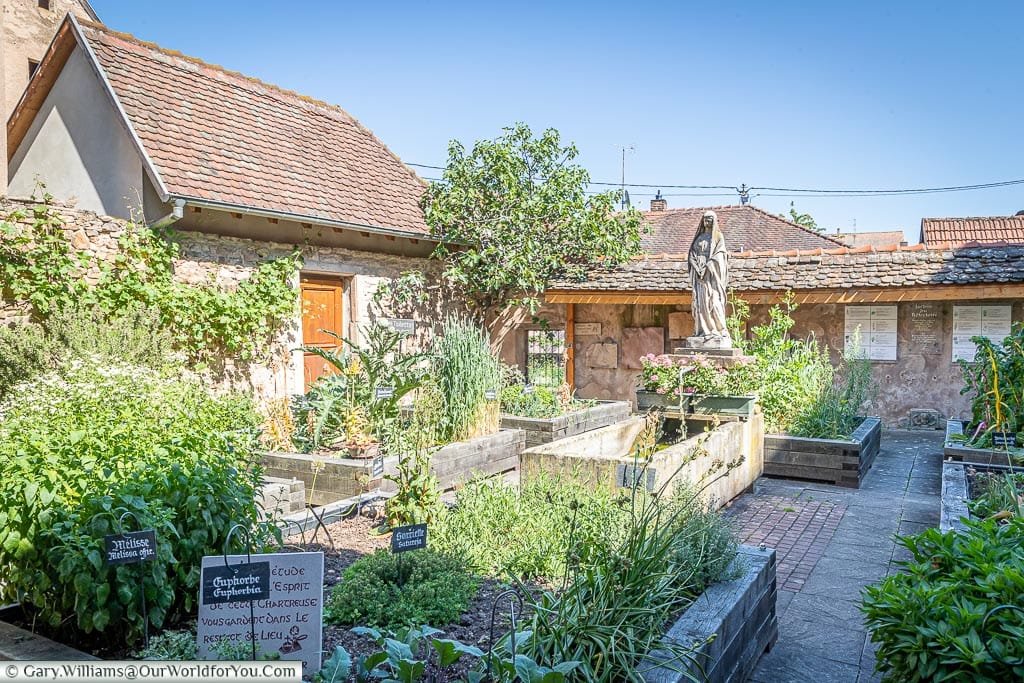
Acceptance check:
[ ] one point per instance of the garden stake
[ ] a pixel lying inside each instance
(514, 598)
(142, 578)
(248, 556)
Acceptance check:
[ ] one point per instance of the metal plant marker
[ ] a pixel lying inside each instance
(985, 638)
(515, 600)
(248, 556)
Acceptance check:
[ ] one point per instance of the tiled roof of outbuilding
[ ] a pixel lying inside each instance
(219, 136)
(879, 238)
(980, 230)
(844, 268)
(746, 228)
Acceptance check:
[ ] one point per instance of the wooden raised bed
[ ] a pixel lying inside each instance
(959, 452)
(17, 644)
(453, 464)
(545, 430)
(956, 492)
(836, 461)
(735, 620)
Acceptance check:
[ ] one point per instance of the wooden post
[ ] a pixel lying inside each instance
(570, 346)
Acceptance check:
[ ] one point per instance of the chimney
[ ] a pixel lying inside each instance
(658, 204)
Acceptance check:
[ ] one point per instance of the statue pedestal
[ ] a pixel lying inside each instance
(709, 343)
(724, 357)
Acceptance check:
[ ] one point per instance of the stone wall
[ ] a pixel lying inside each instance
(230, 260)
(922, 377)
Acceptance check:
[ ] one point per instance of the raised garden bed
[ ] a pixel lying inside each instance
(956, 492)
(960, 452)
(545, 430)
(604, 456)
(332, 479)
(839, 462)
(737, 616)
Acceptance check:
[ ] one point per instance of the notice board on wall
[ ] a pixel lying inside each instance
(991, 322)
(872, 329)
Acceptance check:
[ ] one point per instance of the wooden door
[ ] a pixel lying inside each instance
(321, 310)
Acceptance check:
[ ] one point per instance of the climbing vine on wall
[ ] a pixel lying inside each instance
(41, 271)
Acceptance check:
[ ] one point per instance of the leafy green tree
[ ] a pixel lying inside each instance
(513, 214)
(804, 220)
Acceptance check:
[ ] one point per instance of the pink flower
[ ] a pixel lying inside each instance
(660, 390)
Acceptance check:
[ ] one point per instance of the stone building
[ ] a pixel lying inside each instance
(26, 29)
(242, 170)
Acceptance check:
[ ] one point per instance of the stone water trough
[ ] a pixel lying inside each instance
(329, 479)
(606, 457)
(843, 462)
(540, 430)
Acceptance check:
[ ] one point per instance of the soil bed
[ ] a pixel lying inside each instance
(353, 539)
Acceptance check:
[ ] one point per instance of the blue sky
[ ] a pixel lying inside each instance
(853, 95)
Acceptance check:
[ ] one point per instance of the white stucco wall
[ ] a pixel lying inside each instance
(79, 147)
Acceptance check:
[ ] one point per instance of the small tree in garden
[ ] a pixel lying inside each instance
(513, 213)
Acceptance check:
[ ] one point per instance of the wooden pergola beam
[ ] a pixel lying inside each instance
(863, 295)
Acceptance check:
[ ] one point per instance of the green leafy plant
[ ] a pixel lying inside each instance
(238, 650)
(172, 646)
(463, 369)
(837, 411)
(417, 497)
(77, 451)
(513, 213)
(40, 271)
(996, 385)
(937, 620)
(996, 494)
(522, 400)
(416, 587)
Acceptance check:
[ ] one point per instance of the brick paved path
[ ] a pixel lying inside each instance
(832, 542)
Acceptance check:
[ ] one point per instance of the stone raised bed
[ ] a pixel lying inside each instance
(605, 457)
(545, 430)
(836, 461)
(978, 456)
(453, 464)
(737, 616)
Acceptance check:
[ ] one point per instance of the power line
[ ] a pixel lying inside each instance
(789, 192)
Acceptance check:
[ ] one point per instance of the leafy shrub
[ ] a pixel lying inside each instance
(929, 621)
(417, 498)
(994, 381)
(996, 493)
(464, 369)
(501, 530)
(417, 587)
(834, 415)
(79, 449)
(132, 336)
(171, 646)
(540, 401)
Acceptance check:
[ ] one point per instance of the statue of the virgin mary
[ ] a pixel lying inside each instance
(709, 276)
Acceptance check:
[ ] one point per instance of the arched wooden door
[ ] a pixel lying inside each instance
(322, 298)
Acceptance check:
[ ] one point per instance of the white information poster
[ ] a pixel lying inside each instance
(873, 328)
(992, 322)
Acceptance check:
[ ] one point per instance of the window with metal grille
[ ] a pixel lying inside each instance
(545, 357)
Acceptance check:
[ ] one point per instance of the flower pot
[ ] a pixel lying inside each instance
(645, 400)
(740, 406)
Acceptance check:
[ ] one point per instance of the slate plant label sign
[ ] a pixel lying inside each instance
(1004, 439)
(377, 466)
(383, 392)
(527, 390)
(491, 395)
(236, 583)
(630, 476)
(288, 621)
(411, 537)
(406, 326)
(130, 548)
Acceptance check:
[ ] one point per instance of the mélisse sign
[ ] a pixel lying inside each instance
(285, 591)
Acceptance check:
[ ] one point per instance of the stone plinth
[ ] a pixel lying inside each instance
(723, 357)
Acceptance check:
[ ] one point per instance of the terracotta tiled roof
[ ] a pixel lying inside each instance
(844, 268)
(983, 230)
(746, 227)
(880, 238)
(220, 136)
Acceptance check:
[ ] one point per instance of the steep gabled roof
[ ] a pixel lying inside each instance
(878, 238)
(979, 230)
(835, 269)
(746, 228)
(215, 135)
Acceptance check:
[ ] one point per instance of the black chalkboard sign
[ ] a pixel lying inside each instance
(377, 466)
(411, 537)
(631, 476)
(1004, 439)
(491, 395)
(236, 583)
(527, 390)
(383, 392)
(129, 548)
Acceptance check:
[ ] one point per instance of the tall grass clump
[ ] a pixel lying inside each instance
(836, 412)
(464, 369)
